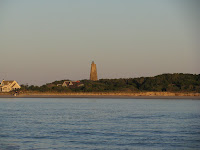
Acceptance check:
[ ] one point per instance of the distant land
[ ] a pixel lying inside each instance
(177, 84)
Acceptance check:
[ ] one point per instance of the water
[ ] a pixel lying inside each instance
(70, 123)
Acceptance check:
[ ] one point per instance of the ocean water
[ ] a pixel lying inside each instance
(95, 123)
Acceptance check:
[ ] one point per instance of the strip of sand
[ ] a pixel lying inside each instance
(139, 95)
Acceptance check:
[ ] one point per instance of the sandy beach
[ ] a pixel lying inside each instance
(139, 95)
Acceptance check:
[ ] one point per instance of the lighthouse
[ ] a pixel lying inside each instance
(93, 72)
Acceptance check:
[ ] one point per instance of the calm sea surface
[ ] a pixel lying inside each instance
(72, 123)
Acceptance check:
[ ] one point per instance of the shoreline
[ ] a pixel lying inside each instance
(139, 95)
(107, 97)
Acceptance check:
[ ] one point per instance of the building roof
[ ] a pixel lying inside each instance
(7, 82)
(72, 84)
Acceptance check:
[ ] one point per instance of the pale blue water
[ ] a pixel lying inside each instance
(70, 123)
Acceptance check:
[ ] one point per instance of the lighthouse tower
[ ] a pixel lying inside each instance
(93, 72)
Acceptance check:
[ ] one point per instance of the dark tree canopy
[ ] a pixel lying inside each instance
(177, 82)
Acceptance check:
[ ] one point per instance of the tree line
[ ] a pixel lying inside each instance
(177, 82)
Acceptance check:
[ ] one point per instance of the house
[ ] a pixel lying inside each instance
(7, 86)
(67, 83)
(72, 84)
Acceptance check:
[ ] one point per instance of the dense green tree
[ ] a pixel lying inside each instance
(165, 82)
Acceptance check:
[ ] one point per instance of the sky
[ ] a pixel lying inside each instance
(46, 40)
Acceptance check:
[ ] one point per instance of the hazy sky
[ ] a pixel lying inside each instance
(46, 40)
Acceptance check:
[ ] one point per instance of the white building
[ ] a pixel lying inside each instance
(72, 84)
(7, 86)
(67, 83)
